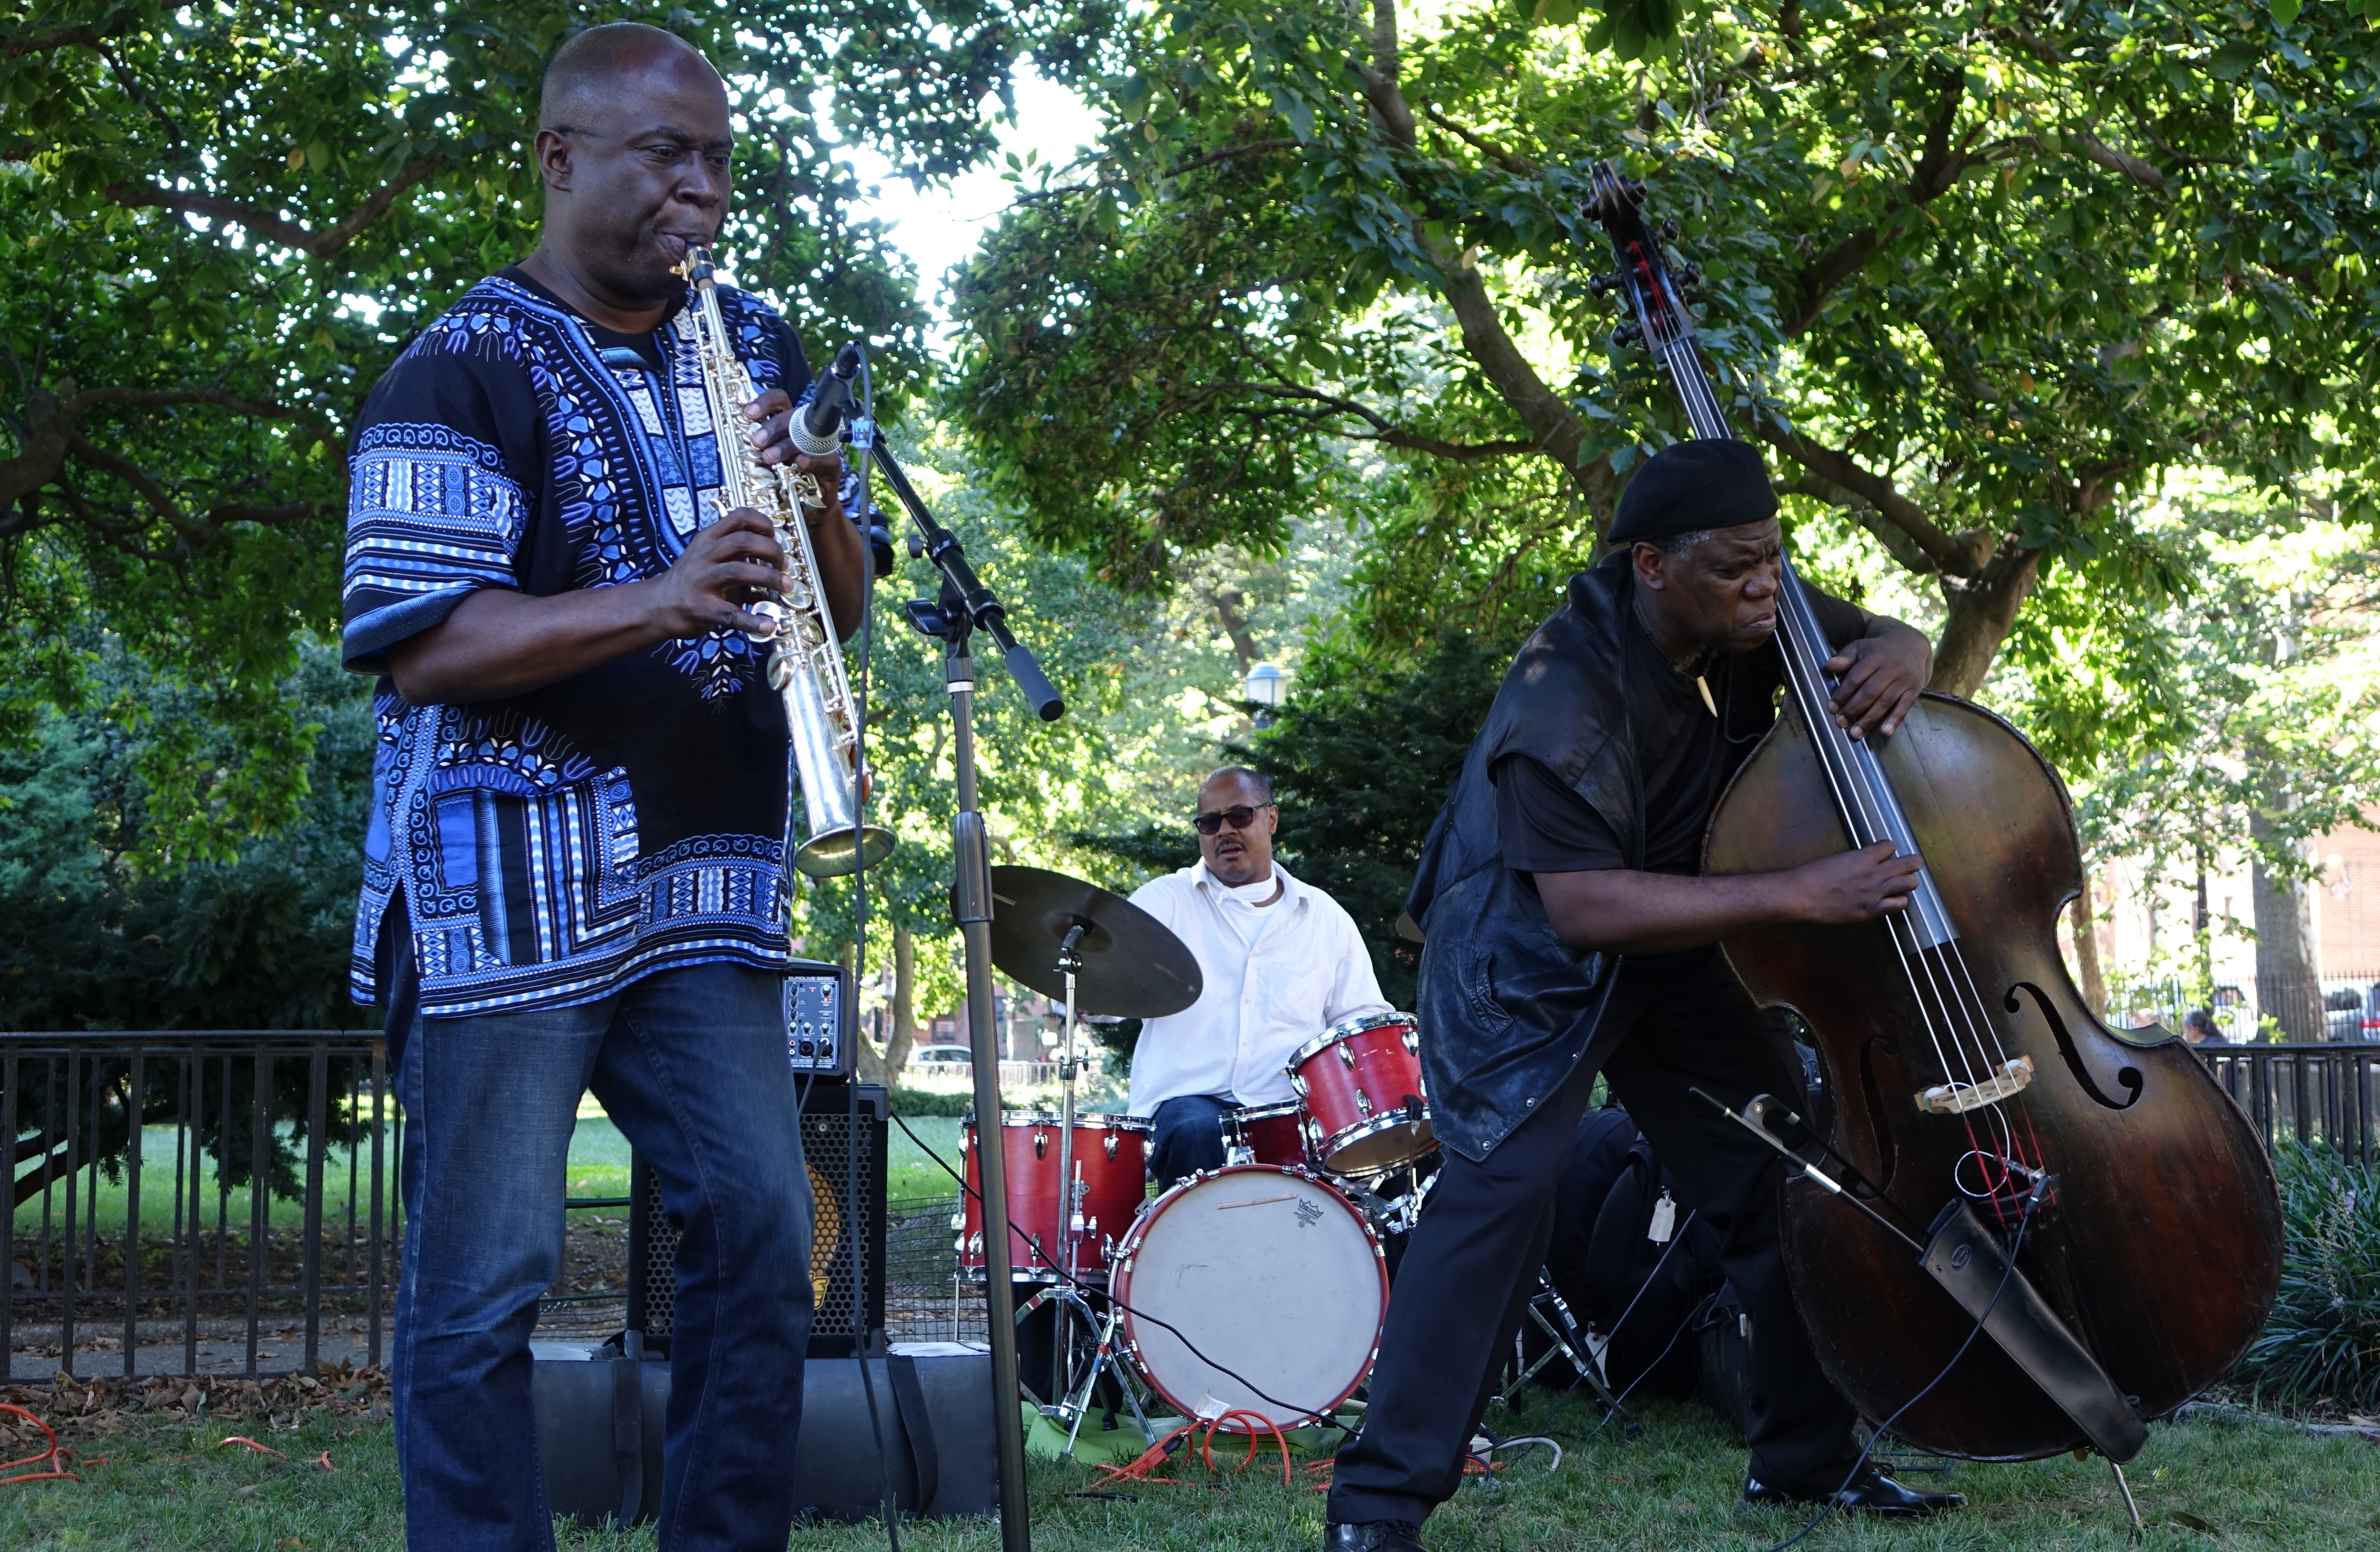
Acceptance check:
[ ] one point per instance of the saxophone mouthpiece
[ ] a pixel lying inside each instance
(695, 268)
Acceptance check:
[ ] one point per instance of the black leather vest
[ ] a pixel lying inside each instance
(1506, 1011)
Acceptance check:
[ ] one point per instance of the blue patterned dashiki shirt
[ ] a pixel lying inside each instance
(550, 848)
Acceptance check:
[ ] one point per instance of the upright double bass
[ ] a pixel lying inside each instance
(1969, 1088)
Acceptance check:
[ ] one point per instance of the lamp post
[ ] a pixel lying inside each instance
(1265, 686)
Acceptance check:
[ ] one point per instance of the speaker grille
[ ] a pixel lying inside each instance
(848, 1296)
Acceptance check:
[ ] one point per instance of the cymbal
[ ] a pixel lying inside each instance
(1132, 964)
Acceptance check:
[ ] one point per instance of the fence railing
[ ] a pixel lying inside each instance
(2315, 1092)
(177, 1195)
(137, 1240)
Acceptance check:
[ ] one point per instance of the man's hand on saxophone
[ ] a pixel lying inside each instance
(836, 543)
(499, 643)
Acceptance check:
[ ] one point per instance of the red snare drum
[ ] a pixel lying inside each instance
(1112, 1163)
(1361, 1083)
(1267, 1134)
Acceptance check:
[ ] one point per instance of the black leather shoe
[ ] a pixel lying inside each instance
(1871, 1492)
(1383, 1535)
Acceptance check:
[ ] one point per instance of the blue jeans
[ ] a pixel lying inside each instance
(1185, 1136)
(690, 1065)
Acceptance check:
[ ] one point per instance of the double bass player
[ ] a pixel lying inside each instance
(1569, 932)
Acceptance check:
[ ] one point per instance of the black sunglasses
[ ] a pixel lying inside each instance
(1238, 818)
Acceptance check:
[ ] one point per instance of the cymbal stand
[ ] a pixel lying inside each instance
(1075, 1399)
(964, 606)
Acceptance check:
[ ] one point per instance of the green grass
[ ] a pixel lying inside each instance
(2252, 1483)
(908, 1172)
(599, 1166)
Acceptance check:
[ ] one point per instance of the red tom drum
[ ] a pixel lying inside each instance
(1360, 1081)
(1110, 1163)
(1267, 1134)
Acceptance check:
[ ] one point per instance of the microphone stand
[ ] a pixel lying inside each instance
(964, 606)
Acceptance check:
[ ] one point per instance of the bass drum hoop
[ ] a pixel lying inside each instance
(1127, 1255)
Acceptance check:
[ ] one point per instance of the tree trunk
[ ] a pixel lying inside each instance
(2085, 913)
(1230, 607)
(905, 1009)
(1982, 612)
(2286, 988)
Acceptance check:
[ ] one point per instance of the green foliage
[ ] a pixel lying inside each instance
(1361, 760)
(915, 1102)
(222, 222)
(2243, 701)
(2002, 271)
(2322, 1345)
(258, 941)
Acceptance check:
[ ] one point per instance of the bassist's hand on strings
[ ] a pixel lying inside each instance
(1880, 675)
(1855, 886)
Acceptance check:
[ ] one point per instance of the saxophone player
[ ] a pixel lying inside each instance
(575, 869)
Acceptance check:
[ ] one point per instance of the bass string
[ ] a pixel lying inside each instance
(1939, 973)
(1861, 811)
(1854, 782)
(1806, 681)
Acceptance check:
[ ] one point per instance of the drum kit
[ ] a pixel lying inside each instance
(1260, 1287)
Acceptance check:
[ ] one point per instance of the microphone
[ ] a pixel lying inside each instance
(818, 429)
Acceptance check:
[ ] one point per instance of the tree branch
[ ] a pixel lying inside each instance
(1895, 539)
(53, 433)
(265, 223)
(1558, 432)
(116, 26)
(1384, 430)
(1875, 490)
(1512, 162)
(1936, 171)
(1254, 148)
(2114, 160)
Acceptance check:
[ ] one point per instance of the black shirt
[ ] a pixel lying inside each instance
(1684, 758)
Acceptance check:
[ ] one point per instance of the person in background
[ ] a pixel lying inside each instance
(2198, 1028)
(1282, 962)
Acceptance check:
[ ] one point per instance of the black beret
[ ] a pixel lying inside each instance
(1689, 486)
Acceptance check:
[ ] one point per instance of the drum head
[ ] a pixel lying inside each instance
(1267, 1272)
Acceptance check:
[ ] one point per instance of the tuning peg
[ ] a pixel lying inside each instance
(1628, 336)
(1604, 285)
(1669, 231)
(1633, 189)
(1690, 277)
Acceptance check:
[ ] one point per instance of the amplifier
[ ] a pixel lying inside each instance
(814, 1013)
(848, 1297)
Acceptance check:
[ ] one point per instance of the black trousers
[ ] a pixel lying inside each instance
(1675, 1022)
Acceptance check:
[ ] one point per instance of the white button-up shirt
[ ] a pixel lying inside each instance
(1307, 971)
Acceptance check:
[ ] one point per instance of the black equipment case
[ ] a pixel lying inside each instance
(600, 1428)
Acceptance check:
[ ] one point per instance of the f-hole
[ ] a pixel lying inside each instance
(2127, 1078)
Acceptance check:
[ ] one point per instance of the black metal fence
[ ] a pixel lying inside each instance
(2321, 1093)
(145, 1169)
(140, 1242)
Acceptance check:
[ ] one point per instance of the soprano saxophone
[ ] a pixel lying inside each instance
(805, 662)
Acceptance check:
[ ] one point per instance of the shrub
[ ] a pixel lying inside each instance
(2322, 1342)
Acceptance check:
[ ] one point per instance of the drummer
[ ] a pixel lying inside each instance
(1282, 962)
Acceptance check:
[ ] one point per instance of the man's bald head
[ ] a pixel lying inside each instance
(584, 74)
